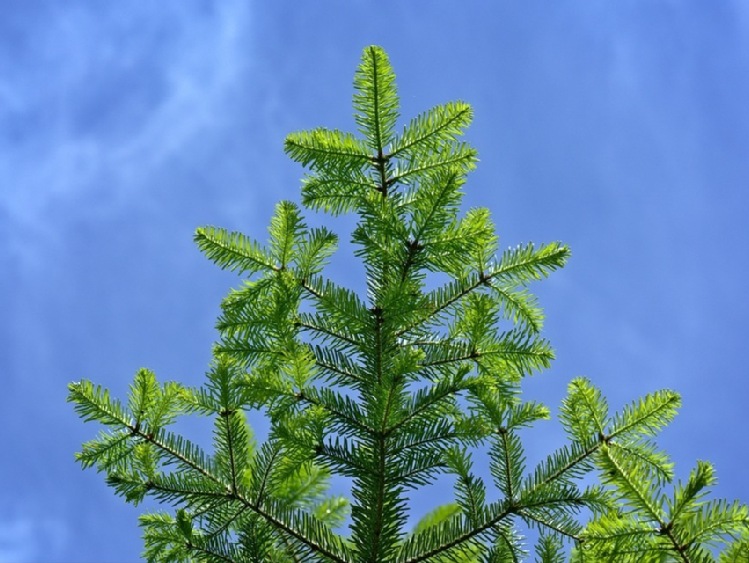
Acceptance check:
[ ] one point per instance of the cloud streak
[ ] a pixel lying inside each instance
(100, 112)
(28, 539)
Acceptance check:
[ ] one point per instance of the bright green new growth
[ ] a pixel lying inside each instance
(394, 387)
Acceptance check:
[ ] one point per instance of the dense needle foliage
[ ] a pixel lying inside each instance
(394, 384)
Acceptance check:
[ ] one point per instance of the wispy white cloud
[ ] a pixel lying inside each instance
(82, 119)
(28, 539)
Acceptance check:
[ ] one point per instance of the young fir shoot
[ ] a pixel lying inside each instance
(392, 385)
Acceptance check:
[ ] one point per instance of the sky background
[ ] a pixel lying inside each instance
(620, 128)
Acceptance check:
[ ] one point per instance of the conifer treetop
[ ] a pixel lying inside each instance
(393, 385)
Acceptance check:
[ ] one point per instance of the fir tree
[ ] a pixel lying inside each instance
(392, 385)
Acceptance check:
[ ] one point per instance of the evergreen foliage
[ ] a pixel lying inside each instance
(393, 386)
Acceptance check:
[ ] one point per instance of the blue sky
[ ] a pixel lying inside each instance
(620, 128)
